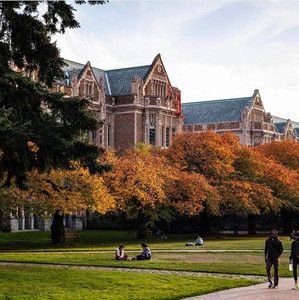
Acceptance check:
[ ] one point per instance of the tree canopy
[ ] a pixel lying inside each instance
(29, 113)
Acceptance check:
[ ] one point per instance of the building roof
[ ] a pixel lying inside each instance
(280, 124)
(215, 111)
(117, 81)
(120, 79)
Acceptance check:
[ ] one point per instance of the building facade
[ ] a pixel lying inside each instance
(140, 105)
(245, 117)
(135, 105)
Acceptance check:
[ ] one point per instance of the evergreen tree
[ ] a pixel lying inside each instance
(38, 128)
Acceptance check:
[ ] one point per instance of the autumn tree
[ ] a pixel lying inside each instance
(247, 181)
(71, 191)
(147, 188)
(206, 153)
(284, 152)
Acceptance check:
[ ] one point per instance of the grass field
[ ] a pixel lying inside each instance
(95, 248)
(48, 283)
(109, 239)
(232, 263)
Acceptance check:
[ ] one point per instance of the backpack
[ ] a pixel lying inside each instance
(297, 249)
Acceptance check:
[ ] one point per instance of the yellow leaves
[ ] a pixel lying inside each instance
(199, 171)
(244, 196)
(285, 152)
(71, 190)
(207, 153)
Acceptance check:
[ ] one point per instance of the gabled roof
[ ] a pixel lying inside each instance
(279, 120)
(296, 127)
(120, 79)
(215, 111)
(72, 66)
(117, 81)
(280, 124)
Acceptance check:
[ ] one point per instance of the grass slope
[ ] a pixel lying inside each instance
(109, 239)
(48, 283)
(233, 263)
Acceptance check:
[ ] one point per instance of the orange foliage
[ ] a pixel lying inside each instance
(143, 179)
(206, 153)
(70, 190)
(286, 153)
(247, 197)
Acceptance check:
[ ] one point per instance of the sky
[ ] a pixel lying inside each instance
(211, 49)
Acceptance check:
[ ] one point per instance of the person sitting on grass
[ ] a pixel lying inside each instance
(146, 254)
(199, 241)
(120, 253)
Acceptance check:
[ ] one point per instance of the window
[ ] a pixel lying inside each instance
(162, 135)
(94, 136)
(88, 89)
(173, 133)
(167, 137)
(109, 135)
(152, 120)
(152, 136)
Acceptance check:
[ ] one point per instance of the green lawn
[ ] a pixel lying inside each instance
(48, 283)
(109, 239)
(234, 263)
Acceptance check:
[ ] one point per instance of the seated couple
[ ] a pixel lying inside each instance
(146, 253)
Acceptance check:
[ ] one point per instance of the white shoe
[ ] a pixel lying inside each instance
(295, 287)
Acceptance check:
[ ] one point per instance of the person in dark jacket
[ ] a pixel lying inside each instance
(273, 250)
(294, 257)
(146, 253)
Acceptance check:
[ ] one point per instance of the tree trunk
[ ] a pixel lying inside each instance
(57, 228)
(251, 224)
(205, 226)
(141, 232)
(287, 217)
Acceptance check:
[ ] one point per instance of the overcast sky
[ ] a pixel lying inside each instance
(211, 49)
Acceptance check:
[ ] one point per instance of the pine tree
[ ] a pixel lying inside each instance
(38, 128)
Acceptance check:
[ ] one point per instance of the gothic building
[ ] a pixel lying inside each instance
(245, 117)
(135, 105)
(140, 105)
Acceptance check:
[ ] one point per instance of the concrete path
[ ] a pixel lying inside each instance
(255, 292)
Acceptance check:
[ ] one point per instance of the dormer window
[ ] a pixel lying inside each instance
(159, 88)
(88, 89)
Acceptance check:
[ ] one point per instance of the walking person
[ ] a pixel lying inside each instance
(294, 257)
(273, 250)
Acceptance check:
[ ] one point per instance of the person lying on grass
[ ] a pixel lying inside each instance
(146, 253)
(120, 253)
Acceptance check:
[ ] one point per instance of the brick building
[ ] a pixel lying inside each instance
(139, 105)
(246, 117)
(135, 105)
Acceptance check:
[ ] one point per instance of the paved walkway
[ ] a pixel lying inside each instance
(255, 292)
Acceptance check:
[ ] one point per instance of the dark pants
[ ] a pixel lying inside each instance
(143, 257)
(295, 264)
(269, 264)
